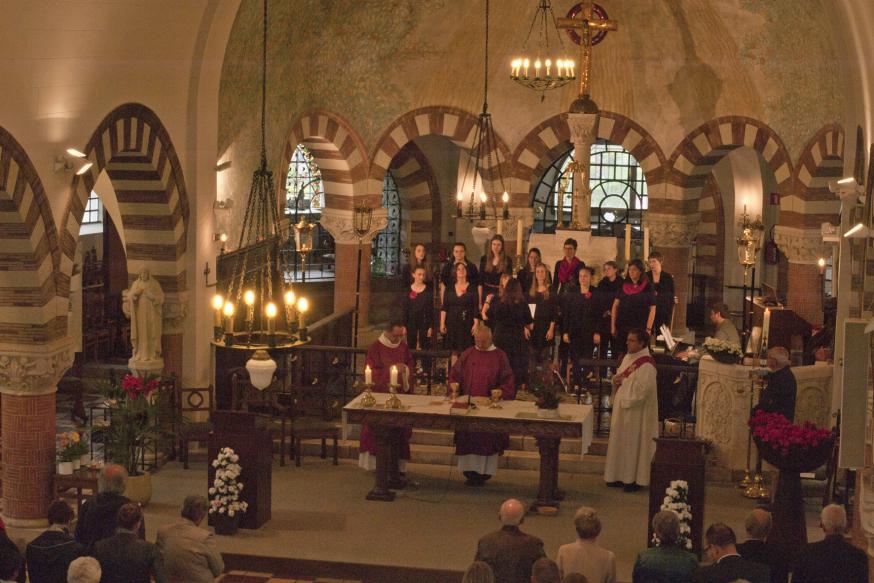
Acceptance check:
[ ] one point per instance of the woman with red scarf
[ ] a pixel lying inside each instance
(418, 305)
(580, 316)
(567, 269)
(634, 306)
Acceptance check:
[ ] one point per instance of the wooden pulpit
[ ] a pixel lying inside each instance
(678, 459)
(240, 431)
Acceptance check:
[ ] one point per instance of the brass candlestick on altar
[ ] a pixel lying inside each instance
(496, 395)
(393, 401)
(367, 398)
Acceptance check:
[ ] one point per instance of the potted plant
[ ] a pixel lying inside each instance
(546, 395)
(66, 452)
(132, 426)
(792, 449)
(225, 506)
(722, 351)
(677, 499)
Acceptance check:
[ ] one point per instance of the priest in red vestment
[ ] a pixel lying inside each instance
(478, 370)
(388, 350)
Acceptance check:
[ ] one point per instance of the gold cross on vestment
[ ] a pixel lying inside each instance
(585, 24)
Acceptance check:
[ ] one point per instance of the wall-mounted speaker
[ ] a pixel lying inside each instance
(854, 393)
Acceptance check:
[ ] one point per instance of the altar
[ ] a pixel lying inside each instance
(723, 405)
(594, 251)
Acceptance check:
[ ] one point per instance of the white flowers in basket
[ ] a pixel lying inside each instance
(677, 499)
(716, 345)
(225, 492)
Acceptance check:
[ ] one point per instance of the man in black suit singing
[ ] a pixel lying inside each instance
(833, 559)
(727, 563)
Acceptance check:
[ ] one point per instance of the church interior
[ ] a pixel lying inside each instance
(258, 224)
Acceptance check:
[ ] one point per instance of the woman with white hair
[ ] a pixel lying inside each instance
(84, 570)
(585, 555)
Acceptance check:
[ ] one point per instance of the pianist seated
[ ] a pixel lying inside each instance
(725, 331)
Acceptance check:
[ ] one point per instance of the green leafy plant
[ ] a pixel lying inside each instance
(545, 392)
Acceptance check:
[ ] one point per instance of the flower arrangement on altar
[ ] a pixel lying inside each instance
(783, 436)
(723, 351)
(70, 445)
(544, 390)
(133, 413)
(225, 491)
(677, 499)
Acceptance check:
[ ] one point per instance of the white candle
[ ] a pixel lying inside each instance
(500, 227)
(368, 375)
(645, 243)
(519, 229)
(393, 379)
(766, 324)
(627, 243)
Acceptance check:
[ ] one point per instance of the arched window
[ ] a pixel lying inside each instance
(303, 185)
(619, 194)
(387, 244)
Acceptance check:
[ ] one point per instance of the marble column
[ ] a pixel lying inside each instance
(672, 236)
(28, 382)
(583, 129)
(802, 247)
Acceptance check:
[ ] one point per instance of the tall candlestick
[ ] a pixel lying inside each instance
(393, 376)
(303, 305)
(229, 317)
(270, 312)
(500, 227)
(505, 199)
(766, 325)
(458, 201)
(218, 302)
(368, 375)
(645, 243)
(519, 230)
(627, 243)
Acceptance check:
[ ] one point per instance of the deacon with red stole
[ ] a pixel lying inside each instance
(478, 370)
(389, 350)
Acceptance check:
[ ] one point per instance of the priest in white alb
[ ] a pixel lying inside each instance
(635, 421)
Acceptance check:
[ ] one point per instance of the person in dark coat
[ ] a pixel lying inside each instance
(418, 307)
(834, 558)
(124, 557)
(634, 306)
(779, 396)
(510, 552)
(667, 562)
(663, 288)
(757, 550)
(540, 294)
(418, 258)
(567, 269)
(10, 554)
(49, 555)
(526, 274)
(510, 320)
(727, 564)
(580, 316)
(492, 266)
(97, 519)
(447, 274)
(608, 288)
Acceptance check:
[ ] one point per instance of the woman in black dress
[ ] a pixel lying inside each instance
(580, 317)
(540, 294)
(526, 274)
(459, 315)
(418, 305)
(663, 288)
(418, 258)
(634, 306)
(608, 287)
(491, 266)
(511, 325)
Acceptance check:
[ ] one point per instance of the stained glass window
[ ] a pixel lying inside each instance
(387, 244)
(303, 185)
(619, 193)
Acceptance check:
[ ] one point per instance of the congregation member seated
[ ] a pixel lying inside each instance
(84, 570)
(574, 578)
(757, 550)
(545, 571)
(510, 552)
(389, 350)
(478, 572)
(727, 565)
(190, 554)
(667, 562)
(97, 519)
(9, 548)
(585, 555)
(477, 371)
(834, 558)
(49, 555)
(10, 566)
(124, 557)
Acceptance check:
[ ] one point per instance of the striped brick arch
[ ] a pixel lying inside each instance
(133, 147)
(420, 196)
(336, 149)
(821, 161)
(30, 253)
(457, 125)
(551, 138)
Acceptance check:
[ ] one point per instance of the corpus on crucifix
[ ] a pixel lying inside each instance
(583, 116)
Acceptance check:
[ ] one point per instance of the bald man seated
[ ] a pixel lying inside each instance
(758, 550)
(510, 552)
(834, 558)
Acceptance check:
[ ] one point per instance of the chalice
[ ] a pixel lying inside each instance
(453, 388)
(495, 399)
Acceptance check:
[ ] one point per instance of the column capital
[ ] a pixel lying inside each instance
(341, 224)
(672, 230)
(35, 370)
(803, 246)
(583, 126)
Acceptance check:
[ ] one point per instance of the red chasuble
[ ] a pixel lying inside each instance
(381, 356)
(478, 372)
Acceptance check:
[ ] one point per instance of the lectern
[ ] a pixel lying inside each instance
(241, 432)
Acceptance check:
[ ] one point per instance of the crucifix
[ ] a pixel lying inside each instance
(583, 116)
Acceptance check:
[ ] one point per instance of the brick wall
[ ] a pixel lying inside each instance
(28, 424)
(804, 294)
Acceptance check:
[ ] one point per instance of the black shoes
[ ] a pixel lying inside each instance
(630, 487)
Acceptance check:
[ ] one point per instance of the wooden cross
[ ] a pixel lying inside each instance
(586, 24)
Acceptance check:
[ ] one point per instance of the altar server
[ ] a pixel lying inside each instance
(478, 370)
(635, 421)
(388, 351)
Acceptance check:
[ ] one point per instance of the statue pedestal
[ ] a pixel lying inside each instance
(723, 406)
(593, 250)
(142, 368)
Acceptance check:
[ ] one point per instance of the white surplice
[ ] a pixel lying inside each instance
(634, 424)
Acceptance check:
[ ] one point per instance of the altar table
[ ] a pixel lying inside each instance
(429, 412)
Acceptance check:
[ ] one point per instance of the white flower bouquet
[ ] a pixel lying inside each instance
(224, 495)
(723, 351)
(677, 499)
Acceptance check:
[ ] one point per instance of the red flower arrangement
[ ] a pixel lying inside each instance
(782, 435)
(136, 387)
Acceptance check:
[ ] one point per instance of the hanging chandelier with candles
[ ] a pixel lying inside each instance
(481, 206)
(250, 280)
(545, 66)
